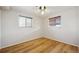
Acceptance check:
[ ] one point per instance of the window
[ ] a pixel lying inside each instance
(55, 21)
(28, 22)
(25, 21)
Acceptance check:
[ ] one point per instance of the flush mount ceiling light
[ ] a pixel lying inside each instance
(42, 9)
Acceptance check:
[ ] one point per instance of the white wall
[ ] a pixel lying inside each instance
(77, 9)
(0, 28)
(67, 32)
(12, 34)
(78, 24)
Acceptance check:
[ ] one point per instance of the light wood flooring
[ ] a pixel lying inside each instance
(41, 45)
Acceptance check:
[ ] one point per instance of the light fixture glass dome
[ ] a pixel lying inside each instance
(42, 9)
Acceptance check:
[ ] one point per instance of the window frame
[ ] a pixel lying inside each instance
(54, 21)
(26, 21)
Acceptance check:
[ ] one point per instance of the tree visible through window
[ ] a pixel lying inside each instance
(25, 21)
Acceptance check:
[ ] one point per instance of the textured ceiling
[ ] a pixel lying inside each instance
(33, 10)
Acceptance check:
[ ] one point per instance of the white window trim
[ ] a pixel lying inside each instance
(26, 21)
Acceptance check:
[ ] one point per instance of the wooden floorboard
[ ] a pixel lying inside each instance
(41, 45)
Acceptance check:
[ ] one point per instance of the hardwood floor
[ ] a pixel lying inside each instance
(41, 45)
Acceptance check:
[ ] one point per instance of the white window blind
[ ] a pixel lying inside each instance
(25, 21)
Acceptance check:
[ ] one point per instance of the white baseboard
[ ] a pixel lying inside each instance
(20, 42)
(40, 37)
(61, 41)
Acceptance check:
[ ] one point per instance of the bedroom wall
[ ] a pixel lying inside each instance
(67, 32)
(78, 24)
(77, 9)
(12, 34)
(0, 28)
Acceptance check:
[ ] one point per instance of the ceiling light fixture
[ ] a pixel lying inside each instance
(42, 9)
